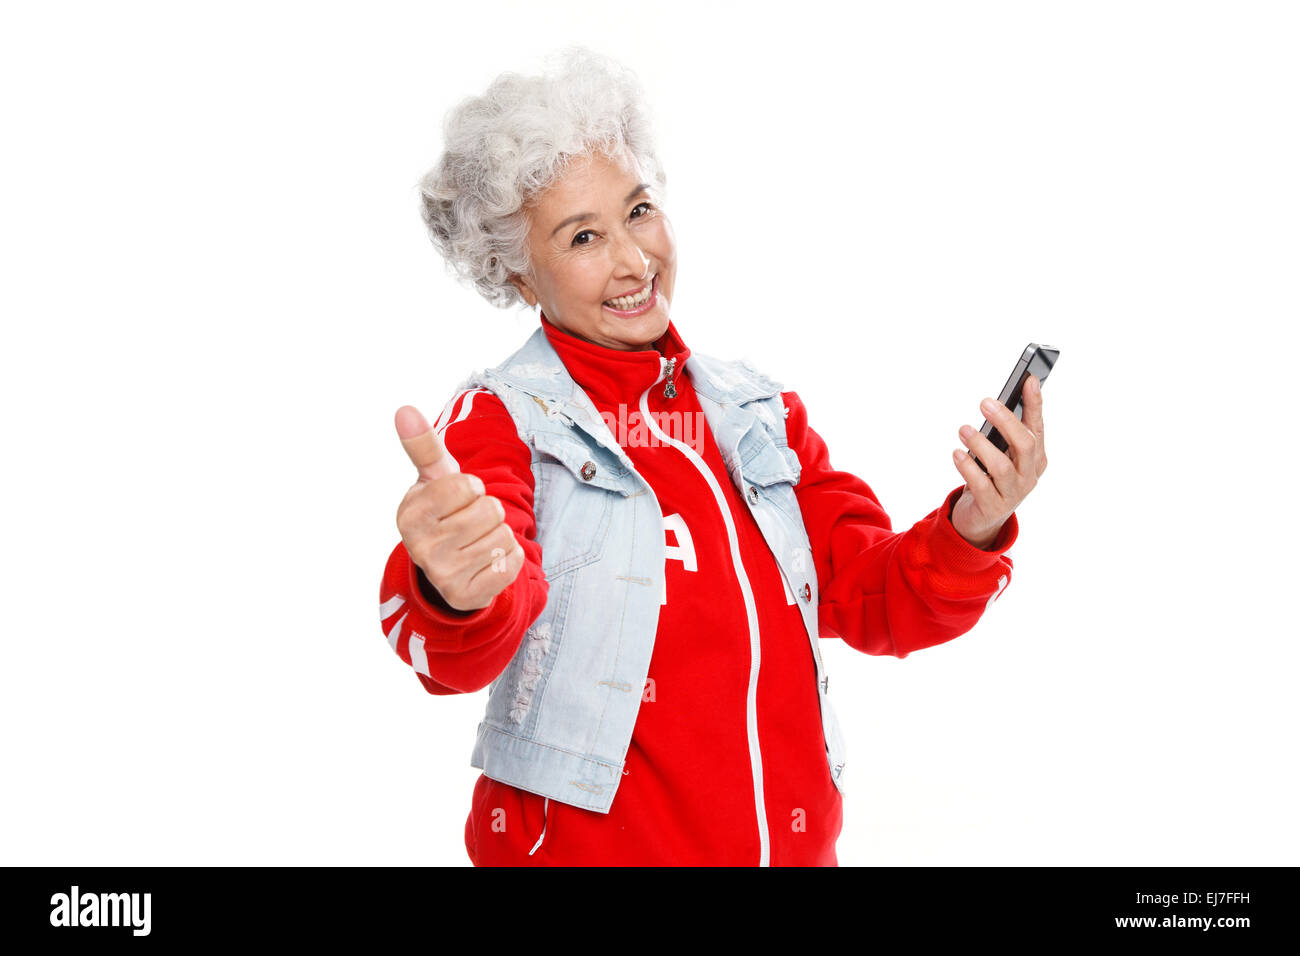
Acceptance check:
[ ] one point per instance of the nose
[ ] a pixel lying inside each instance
(631, 259)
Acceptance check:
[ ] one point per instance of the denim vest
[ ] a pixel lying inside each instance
(560, 716)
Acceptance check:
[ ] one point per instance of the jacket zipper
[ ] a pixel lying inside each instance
(751, 613)
(670, 390)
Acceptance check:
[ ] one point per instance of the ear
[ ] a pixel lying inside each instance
(525, 290)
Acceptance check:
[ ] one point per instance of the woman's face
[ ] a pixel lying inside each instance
(599, 235)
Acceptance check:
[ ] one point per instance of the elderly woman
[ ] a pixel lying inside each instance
(638, 546)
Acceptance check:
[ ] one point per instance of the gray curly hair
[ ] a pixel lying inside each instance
(504, 148)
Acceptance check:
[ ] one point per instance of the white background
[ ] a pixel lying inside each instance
(217, 290)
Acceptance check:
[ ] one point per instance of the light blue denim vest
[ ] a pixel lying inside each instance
(560, 716)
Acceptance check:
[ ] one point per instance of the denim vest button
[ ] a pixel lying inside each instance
(588, 470)
(753, 495)
(807, 591)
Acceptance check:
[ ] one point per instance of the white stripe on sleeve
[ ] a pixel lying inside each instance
(419, 660)
(443, 424)
(392, 635)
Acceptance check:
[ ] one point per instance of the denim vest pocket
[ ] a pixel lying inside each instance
(572, 511)
(770, 464)
(773, 467)
(764, 451)
(566, 449)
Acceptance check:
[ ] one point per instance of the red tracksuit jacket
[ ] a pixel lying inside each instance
(687, 796)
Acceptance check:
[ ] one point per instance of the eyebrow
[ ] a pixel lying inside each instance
(579, 217)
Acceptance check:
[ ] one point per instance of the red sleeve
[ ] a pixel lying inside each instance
(452, 651)
(885, 592)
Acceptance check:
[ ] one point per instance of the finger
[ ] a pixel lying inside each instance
(1033, 412)
(448, 507)
(500, 567)
(492, 547)
(1001, 470)
(1020, 440)
(423, 447)
(486, 566)
(980, 484)
(470, 521)
(1031, 398)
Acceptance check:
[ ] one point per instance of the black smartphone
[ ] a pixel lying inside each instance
(1037, 360)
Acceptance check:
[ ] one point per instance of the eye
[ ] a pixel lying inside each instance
(585, 232)
(641, 205)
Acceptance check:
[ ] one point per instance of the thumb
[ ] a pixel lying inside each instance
(423, 447)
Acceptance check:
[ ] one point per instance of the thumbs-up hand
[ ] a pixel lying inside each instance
(456, 534)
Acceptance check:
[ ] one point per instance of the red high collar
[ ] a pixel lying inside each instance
(610, 376)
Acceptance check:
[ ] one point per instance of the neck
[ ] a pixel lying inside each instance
(647, 347)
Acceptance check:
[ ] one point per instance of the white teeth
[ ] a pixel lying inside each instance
(627, 302)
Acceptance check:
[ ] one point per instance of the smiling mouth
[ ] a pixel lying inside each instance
(629, 304)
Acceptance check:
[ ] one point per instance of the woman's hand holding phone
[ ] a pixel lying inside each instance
(989, 499)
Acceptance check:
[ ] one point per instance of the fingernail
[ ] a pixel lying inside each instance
(476, 483)
(989, 406)
(1033, 385)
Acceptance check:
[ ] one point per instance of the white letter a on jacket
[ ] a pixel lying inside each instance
(683, 550)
